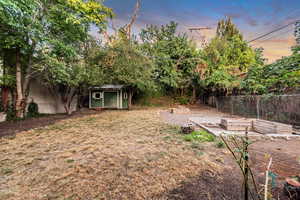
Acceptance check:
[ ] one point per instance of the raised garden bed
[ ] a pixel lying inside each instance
(268, 127)
(236, 124)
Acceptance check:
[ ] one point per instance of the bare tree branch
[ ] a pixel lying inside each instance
(128, 27)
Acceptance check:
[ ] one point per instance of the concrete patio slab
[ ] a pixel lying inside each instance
(211, 124)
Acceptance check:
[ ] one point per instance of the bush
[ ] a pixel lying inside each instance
(33, 110)
(183, 100)
(220, 144)
(201, 136)
(11, 113)
(1, 106)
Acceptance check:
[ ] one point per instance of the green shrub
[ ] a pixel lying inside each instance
(201, 136)
(188, 138)
(11, 113)
(1, 106)
(183, 100)
(220, 144)
(33, 110)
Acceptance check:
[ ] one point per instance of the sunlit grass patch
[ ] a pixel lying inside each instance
(117, 152)
(200, 136)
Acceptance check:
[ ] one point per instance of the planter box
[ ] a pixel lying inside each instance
(268, 127)
(2, 117)
(236, 124)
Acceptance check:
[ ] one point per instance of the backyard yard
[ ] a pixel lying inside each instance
(100, 100)
(128, 155)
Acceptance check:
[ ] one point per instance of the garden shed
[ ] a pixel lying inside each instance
(109, 97)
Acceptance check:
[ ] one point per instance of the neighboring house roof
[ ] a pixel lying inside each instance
(109, 86)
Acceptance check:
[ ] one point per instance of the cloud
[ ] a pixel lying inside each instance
(241, 14)
(253, 17)
(251, 21)
(274, 49)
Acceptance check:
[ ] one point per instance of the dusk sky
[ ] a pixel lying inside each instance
(253, 18)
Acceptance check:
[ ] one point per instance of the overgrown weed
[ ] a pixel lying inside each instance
(220, 144)
(200, 136)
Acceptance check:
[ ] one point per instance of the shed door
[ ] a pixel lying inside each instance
(110, 99)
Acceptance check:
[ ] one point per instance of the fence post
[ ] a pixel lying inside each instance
(231, 104)
(257, 107)
(246, 170)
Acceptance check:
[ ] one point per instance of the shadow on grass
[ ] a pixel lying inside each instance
(10, 128)
(208, 185)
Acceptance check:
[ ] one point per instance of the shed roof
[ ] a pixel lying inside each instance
(109, 86)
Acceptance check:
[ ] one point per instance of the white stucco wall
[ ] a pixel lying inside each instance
(47, 103)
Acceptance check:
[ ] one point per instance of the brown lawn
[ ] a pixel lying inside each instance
(114, 155)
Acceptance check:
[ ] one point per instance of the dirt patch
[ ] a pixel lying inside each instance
(13, 127)
(208, 185)
(285, 155)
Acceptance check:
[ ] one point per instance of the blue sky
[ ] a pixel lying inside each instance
(253, 17)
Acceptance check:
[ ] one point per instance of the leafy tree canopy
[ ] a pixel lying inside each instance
(282, 76)
(228, 57)
(124, 63)
(48, 35)
(176, 57)
(227, 29)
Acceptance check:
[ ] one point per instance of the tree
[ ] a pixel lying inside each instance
(63, 79)
(280, 77)
(226, 29)
(36, 28)
(123, 63)
(125, 31)
(7, 79)
(18, 28)
(176, 57)
(228, 58)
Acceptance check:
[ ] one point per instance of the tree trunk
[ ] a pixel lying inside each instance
(4, 95)
(26, 84)
(19, 97)
(194, 95)
(130, 99)
(67, 100)
(68, 109)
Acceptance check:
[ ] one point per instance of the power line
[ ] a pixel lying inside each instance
(278, 29)
(274, 36)
(291, 13)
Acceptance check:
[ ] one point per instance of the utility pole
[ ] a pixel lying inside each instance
(297, 32)
(198, 30)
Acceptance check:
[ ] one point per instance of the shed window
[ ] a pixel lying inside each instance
(125, 95)
(97, 95)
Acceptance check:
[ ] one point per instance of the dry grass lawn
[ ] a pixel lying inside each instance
(111, 155)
